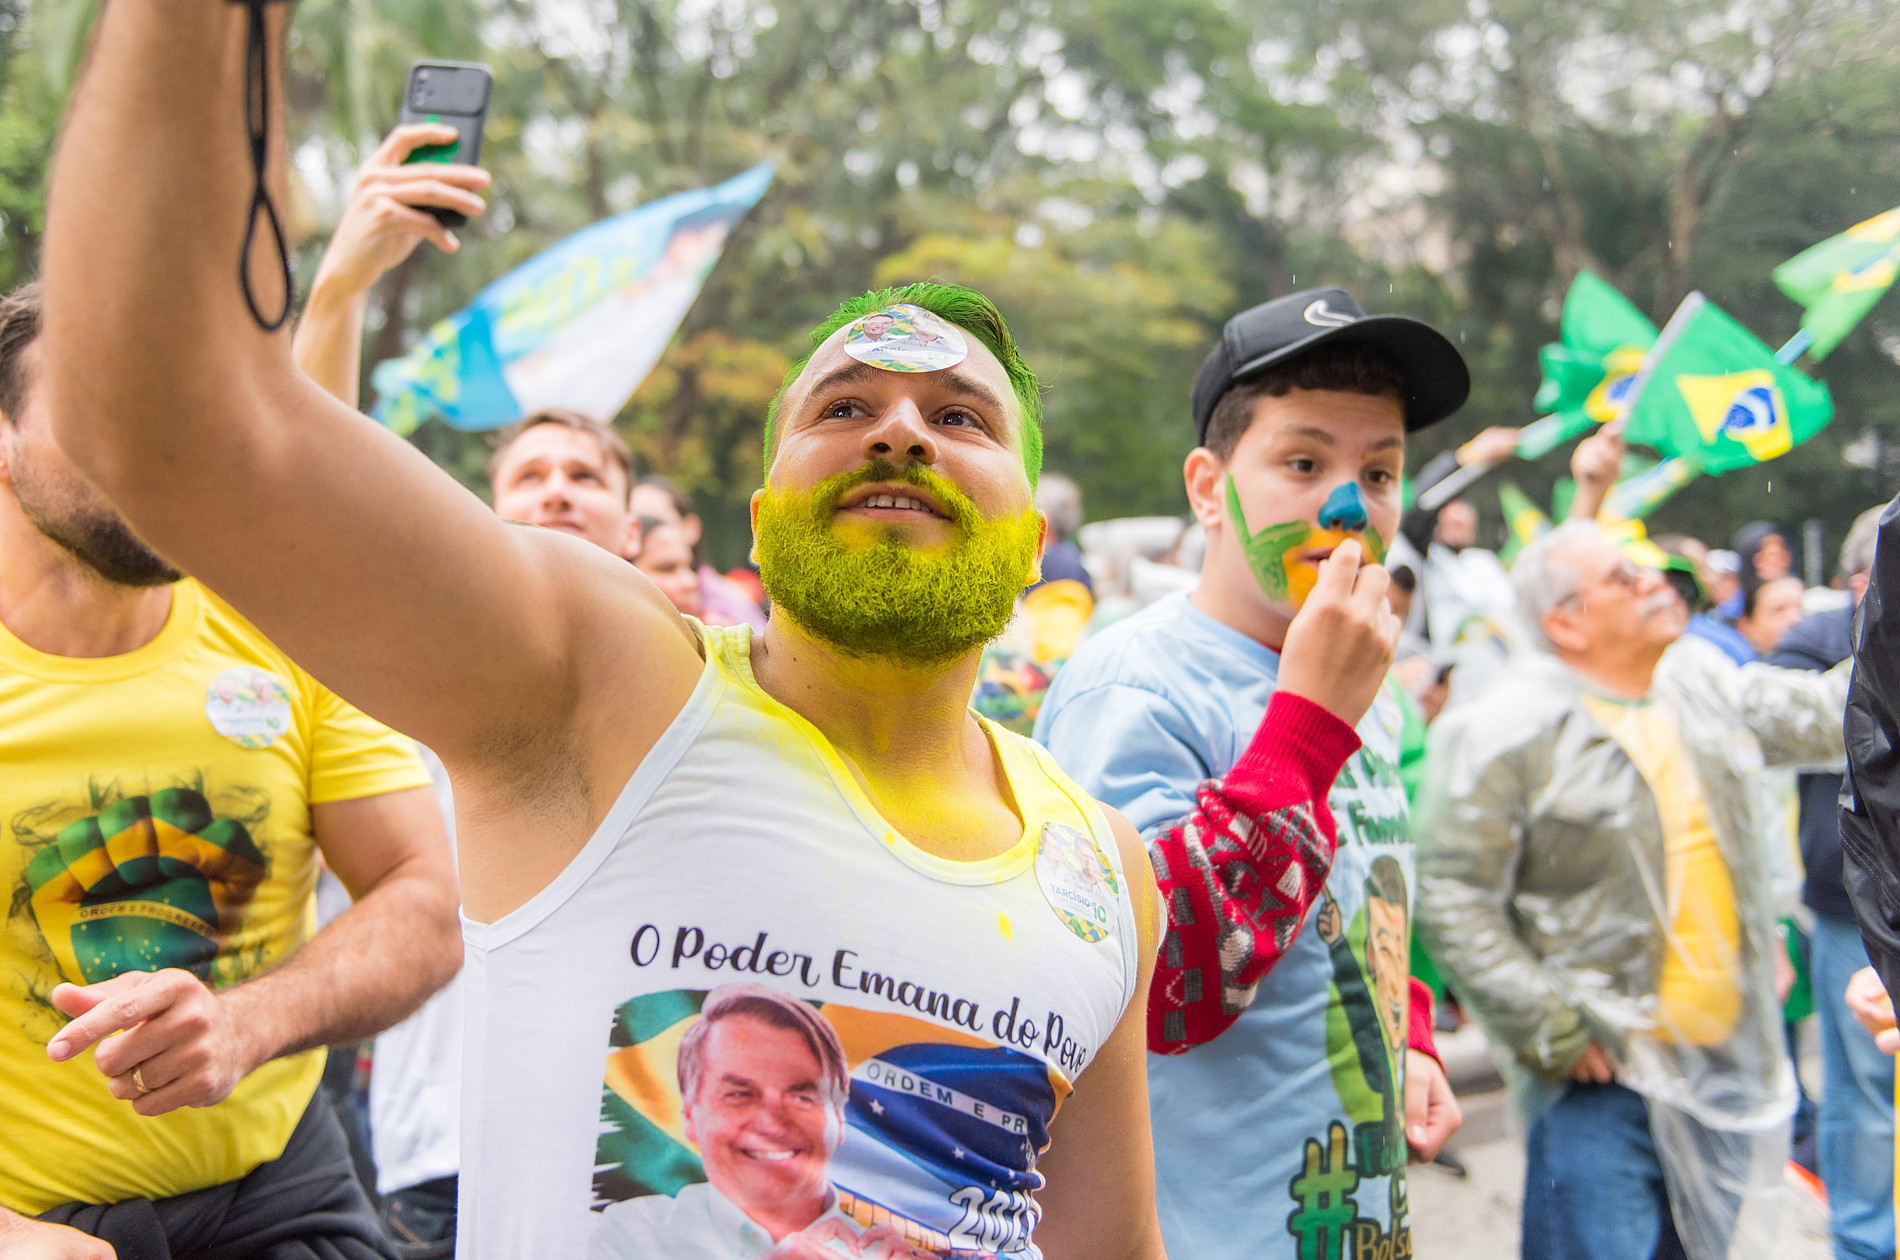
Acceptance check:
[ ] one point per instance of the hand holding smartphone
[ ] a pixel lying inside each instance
(454, 94)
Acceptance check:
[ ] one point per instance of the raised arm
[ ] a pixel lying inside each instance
(1795, 714)
(1239, 872)
(372, 568)
(1240, 857)
(380, 227)
(1594, 466)
(1491, 447)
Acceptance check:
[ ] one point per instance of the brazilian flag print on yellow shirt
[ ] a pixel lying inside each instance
(146, 883)
(154, 813)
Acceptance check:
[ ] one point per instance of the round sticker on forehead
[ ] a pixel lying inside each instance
(905, 338)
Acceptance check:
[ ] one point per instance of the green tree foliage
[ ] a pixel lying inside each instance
(1667, 145)
(31, 92)
(1121, 175)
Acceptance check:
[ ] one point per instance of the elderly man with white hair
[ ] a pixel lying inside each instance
(1595, 886)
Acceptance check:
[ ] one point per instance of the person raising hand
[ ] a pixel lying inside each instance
(386, 217)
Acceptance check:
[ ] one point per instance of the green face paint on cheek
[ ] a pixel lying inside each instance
(1266, 551)
(1375, 545)
(1272, 554)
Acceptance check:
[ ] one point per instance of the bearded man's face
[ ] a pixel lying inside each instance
(59, 502)
(869, 590)
(897, 521)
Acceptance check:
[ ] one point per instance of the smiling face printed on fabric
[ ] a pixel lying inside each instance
(1285, 558)
(905, 338)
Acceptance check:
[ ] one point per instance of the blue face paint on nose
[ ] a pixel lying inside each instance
(1345, 510)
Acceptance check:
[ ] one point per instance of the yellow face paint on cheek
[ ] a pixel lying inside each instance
(1302, 575)
(1301, 578)
(1275, 554)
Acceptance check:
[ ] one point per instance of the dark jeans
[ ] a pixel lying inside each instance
(1856, 1105)
(421, 1219)
(1593, 1187)
(304, 1205)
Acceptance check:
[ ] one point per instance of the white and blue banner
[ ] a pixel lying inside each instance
(577, 326)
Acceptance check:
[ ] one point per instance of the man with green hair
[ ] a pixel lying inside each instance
(651, 809)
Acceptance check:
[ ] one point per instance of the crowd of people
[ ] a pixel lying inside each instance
(955, 880)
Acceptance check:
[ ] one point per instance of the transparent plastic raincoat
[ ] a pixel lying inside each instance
(1546, 901)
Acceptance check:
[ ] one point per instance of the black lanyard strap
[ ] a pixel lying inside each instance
(257, 121)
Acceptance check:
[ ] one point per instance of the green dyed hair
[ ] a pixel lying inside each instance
(955, 304)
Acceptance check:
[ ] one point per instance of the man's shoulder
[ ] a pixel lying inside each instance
(220, 643)
(1530, 695)
(1144, 704)
(1696, 652)
(228, 632)
(1818, 642)
(1146, 652)
(631, 1227)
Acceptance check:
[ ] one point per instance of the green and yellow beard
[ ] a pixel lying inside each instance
(1273, 554)
(863, 588)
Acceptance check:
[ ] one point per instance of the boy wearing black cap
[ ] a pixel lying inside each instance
(1221, 722)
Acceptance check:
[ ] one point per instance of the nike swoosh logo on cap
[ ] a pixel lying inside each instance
(1321, 315)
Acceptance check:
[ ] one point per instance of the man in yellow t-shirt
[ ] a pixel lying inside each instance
(1699, 983)
(171, 780)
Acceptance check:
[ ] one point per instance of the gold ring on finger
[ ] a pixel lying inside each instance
(139, 1081)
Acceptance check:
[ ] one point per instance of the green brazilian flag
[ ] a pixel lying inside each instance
(1588, 372)
(1712, 389)
(633, 1155)
(1839, 280)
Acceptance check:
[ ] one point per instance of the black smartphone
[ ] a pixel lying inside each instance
(454, 93)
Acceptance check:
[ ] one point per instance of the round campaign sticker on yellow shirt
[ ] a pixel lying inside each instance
(249, 707)
(1077, 879)
(905, 338)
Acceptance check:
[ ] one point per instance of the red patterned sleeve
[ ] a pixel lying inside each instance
(1239, 873)
(1418, 1031)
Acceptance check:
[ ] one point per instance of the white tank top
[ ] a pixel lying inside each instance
(887, 1034)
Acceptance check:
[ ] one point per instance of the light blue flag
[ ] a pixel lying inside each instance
(577, 326)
